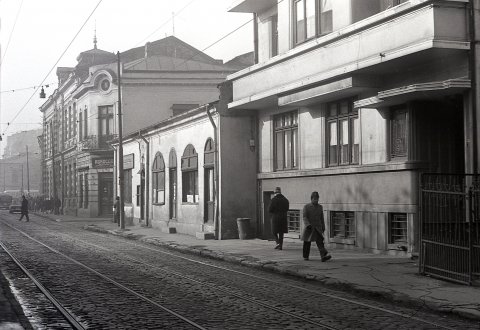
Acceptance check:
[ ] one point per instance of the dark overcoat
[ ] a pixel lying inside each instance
(314, 224)
(279, 208)
(24, 208)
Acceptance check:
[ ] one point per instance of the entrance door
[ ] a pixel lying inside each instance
(173, 192)
(105, 194)
(267, 224)
(209, 195)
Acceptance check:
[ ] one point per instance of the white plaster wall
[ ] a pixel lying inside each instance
(264, 22)
(189, 216)
(132, 148)
(92, 100)
(311, 144)
(284, 8)
(373, 128)
(311, 139)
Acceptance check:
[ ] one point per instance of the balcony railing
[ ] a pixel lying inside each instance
(92, 142)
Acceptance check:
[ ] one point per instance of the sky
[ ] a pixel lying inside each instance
(34, 35)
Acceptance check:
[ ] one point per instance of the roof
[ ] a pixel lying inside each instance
(242, 61)
(170, 47)
(164, 63)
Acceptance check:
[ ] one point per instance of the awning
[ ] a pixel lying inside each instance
(423, 91)
(330, 91)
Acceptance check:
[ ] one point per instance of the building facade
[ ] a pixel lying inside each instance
(193, 173)
(355, 99)
(164, 78)
(20, 166)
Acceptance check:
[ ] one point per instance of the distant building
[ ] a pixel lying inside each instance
(20, 171)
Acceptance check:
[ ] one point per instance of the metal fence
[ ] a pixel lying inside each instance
(449, 227)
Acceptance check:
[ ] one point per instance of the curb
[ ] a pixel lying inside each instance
(384, 294)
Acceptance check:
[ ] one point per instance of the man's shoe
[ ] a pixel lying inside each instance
(326, 258)
(306, 259)
(278, 247)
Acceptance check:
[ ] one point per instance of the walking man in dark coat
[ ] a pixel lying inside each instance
(314, 227)
(279, 208)
(24, 209)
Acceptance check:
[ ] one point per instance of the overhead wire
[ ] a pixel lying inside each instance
(25, 88)
(11, 33)
(177, 13)
(163, 24)
(53, 67)
(216, 42)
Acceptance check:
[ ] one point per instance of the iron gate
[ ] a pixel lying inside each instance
(450, 227)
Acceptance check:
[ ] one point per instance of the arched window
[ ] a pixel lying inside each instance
(158, 179)
(190, 175)
(209, 154)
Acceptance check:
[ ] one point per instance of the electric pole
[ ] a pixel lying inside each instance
(120, 147)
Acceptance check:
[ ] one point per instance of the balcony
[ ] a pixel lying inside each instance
(414, 35)
(94, 142)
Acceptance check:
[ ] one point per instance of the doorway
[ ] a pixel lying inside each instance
(105, 191)
(141, 195)
(266, 227)
(172, 201)
(209, 195)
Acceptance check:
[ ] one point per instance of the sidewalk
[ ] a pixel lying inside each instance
(395, 278)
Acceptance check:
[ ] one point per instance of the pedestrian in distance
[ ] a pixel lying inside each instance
(314, 228)
(116, 210)
(24, 209)
(278, 208)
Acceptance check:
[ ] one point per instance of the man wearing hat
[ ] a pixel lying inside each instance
(314, 227)
(279, 208)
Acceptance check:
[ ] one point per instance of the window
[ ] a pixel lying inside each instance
(286, 141)
(312, 18)
(85, 122)
(85, 191)
(190, 175)
(127, 186)
(343, 133)
(158, 179)
(274, 36)
(80, 127)
(105, 118)
(398, 133)
(293, 221)
(80, 191)
(342, 224)
(139, 191)
(397, 228)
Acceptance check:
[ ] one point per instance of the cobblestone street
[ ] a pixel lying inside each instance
(107, 282)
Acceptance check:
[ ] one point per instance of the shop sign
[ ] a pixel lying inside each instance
(128, 161)
(102, 162)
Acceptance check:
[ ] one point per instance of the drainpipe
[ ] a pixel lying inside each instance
(147, 179)
(216, 169)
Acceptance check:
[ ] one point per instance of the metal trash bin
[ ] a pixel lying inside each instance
(243, 227)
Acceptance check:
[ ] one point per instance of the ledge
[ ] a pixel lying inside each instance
(343, 170)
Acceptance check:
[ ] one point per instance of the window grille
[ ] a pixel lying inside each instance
(342, 224)
(293, 220)
(397, 228)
